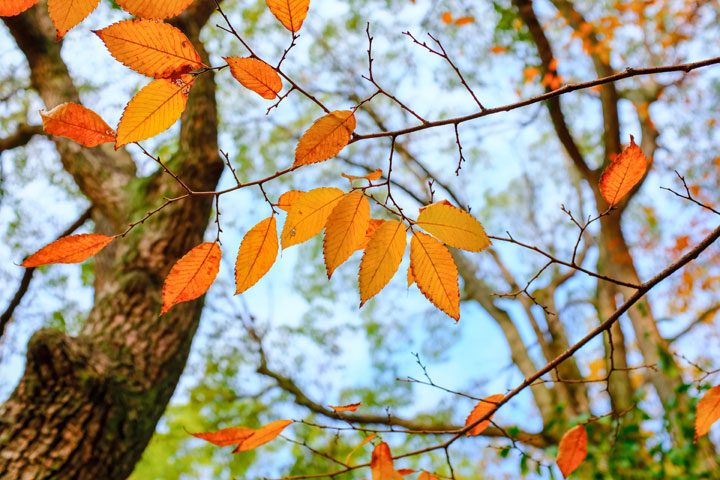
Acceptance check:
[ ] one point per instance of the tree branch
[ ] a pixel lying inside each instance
(20, 137)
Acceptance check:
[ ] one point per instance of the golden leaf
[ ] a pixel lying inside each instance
(572, 450)
(707, 411)
(481, 409)
(623, 173)
(410, 276)
(308, 215)
(77, 123)
(381, 464)
(153, 110)
(65, 14)
(345, 229)
(346, 408)
(154, 9)
(263, 435)
(70, 249)
(370, 176)
(256, 75)
(154, 49)
(381, 259)
(226, 436)
(288, 198)
(453, 226)
(372, 226)
(257, 254)
(325, 138)
(192, 275)
(10, 8)
(291, 13)
(435, 273)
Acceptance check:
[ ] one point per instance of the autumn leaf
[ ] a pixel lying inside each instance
(256, 75)
(446, 17)
(707, 411)
(372, 226)
(427, 476)
(441, 202)
(154, 49)
(153, 110)
(65, 14)
(192, 275)
(435, 273)
(572, 450)
(464, 21)
(70, 249)
(453, 226)
(360, 445)
(345, 229)
(263, 435)
(405, 471)
(346, 408)
(257, 254)
(325, 138)
(226, 436)
(308, 215)
(381, 259)
(152, 9)
(483, 407)
(291, 13)
(381, 464)
(410, 276)
(288, 198)
(623, 173)
(370, 176)
(10, 8)
(77, 123)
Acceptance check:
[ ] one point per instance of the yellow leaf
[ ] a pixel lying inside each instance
(65, 14)
(381, 464)
(481, 409)
(256, 75)
(365, 441)
(288, 198)
(154, 9)
(441, 202)
(435, 273)
(325, 138)
(623, 173)
(154, 49)
(226, 436)
(262, 435)
(707, 411)
(382, 258)
(370, 176)
(308, 215)
(372, 226)
(572, 450)
(345, 229)
(453, 226)
(10, 8)
(257, 254)
(346, 408)
(153, 110)
(410, 276)
(192, 275)
(77, 123)
(70, 249)
(291, 13)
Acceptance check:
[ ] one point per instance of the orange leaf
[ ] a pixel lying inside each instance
(453, 226)
(464, 21)
(257, 254)
(410, 276)
(405, 471)
(623, 173)
(325, 138)
(10, 8)
(154, 49)
(192, 275)
(427, 476)
(153, 110)
(256, 75)
(288, 198)
(153, 9)
(435, 273)
(65, 14)
(572, 450)
(381, 464)
(498, 49)
(308, 215)
(226, 436)
(707, 411)
(347, 408)
(381, 259)
(370, 176)
(441, 202)
(483, 407)
(70, 249)
(366, 440)
(447, 17)
(291, 13)
(77, 123)
(345, 229)
(263, 435)
(372, 226)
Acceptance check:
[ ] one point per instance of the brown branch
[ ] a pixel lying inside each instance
(20, 137)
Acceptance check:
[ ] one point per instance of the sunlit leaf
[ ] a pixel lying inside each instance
(226, 436)
(360, 445)
(77, 123)
(347, 408)
(291, 13)
(325, 138)
(345, 229)
(707, 411)
(257, 254)
(453, 226)
(154, 9)
(70, 249)
(153, 110)
(262, 435)
(192, 275)
(427, 476)
(405, 471)
(256, 75)
(154, 49)
(572, 450)
(65, 14)
(288, 198)
(370, 176)
(410, 276)
(623, 173)
(372, 226)
(9, 8)
(464, 21)
(481, 409)
(308, 215)
(435, 273)
(382, 258)
(381, 464)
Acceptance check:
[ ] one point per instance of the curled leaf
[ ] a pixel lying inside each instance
(226, 436)
(192, 275)
(325, 138)
(481, 409)
(70, 249)
(257, 254)
(623, 173)
(77, 123)
(372, 176)
(256, 75)
(572, 450)
(262, 435)
(346, 408)
(360, 445)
